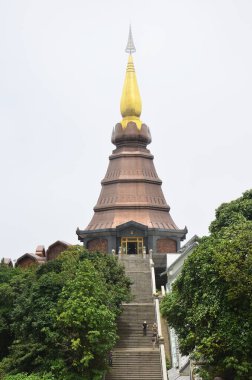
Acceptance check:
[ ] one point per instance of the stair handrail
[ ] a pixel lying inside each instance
(158, 319)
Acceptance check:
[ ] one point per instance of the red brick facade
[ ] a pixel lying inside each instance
(166, 246)
(98, 245)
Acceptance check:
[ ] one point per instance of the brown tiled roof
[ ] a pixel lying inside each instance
(131, 188)
(59, 242)
(36, 258)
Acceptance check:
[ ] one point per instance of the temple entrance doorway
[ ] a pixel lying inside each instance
(132, 245)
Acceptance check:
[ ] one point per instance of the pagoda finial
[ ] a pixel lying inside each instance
(131, 105)
(130, 48)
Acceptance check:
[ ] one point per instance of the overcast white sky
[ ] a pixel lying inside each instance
(62, 66)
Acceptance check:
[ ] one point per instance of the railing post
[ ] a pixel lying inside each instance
(144, 252)
(158, 319)
(162, 290)
(153, 281)
(150, 253)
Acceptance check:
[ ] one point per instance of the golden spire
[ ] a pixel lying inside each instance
(131, 105)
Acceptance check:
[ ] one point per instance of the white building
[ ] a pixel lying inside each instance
(181, 366)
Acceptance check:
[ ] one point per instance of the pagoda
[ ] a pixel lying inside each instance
(131, 215)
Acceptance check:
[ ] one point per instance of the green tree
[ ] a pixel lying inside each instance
(85, 314)
(9, 280)
(61, 316)
(24, 376)
(234, 212)
(210, 305)
(6, 304)
(31, 324)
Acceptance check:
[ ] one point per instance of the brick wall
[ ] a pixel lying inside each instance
(166, 246)
(98, 245)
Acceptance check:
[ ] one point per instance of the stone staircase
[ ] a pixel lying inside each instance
(134, 357)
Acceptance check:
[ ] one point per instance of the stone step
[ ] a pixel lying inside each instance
(134, 357)
(134, 264)
(141, 288)
(135, 365)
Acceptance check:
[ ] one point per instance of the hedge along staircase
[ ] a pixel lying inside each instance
(134, 357)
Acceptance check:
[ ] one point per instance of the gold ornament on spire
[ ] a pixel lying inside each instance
(131, 104)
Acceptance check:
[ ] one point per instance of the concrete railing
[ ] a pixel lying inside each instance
(158, 319)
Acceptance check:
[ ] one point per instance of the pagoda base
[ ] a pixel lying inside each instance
(132, 238)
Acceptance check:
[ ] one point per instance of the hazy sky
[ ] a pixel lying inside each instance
(62, 66)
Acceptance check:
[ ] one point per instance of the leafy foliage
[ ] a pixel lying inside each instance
(24, 376)
(60, 318)
(210, 305)
(234, 212)
(7, 296)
